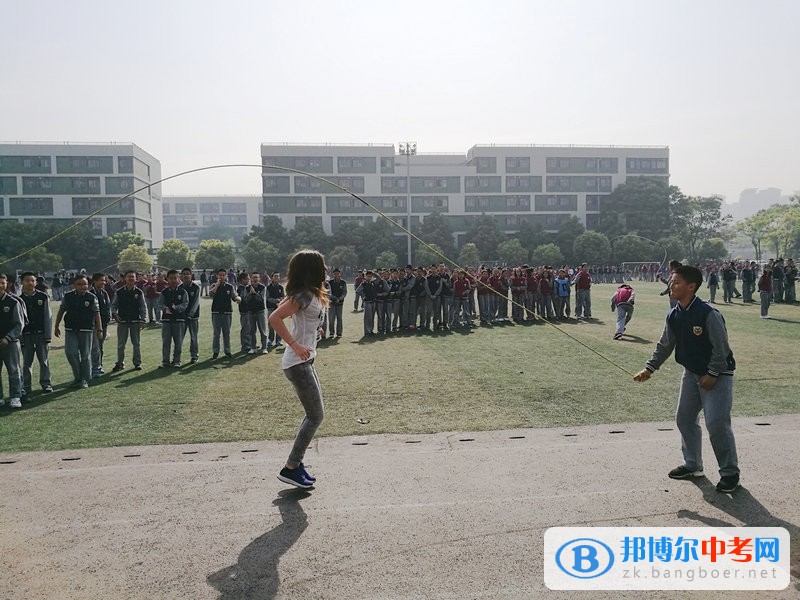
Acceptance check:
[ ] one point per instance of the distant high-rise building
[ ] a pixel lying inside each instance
(62, 183)
(514, 184)
(189, 218)
(752, 200)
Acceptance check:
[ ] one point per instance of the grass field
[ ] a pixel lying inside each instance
(485, 378)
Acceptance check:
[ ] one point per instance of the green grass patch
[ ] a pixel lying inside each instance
(498, 377)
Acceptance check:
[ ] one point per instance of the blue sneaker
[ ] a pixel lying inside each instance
(295, 477)
(306, 474)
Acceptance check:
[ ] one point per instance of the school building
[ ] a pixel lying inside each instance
(195, 218)
(62, 183)
(514, 184)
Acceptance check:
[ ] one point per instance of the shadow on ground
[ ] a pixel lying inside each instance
(255, 574)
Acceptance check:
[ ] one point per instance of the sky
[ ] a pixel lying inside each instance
(201, 82)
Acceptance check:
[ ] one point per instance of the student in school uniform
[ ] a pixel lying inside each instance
(12, 321)
(192, 313)
(129, 310)
(81, 313)
(256, 300)
(35, 340)
(172, 305)
(244, 322)
(275, 293)
(223, 295)
(338, 293)
(104, 303)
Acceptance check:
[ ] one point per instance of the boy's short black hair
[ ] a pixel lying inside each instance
(674, 264)
(27, 274)
(690, 274)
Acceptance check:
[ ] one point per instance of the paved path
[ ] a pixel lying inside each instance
(445, 516)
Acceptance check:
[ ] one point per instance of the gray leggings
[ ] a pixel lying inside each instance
(306, 383)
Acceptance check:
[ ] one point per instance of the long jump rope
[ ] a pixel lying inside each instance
(405, 230)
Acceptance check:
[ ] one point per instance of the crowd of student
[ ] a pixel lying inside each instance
(88, 308)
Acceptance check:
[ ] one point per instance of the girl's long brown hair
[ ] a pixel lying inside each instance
(307, 274)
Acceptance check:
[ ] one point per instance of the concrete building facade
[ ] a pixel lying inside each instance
(63, 183)
(514, 184)
(186, 217)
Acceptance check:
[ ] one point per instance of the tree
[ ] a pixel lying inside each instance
(486, 235)
(342, 257)
(591, 247)
(40, 260)
(632, 248)
(174, 254)
(531, 235)
(261, 256)
(134, 258)
(214, 254)
(566, 236)
(435, 229)
(218, 231)
(697, 219)
(308, 233)
(386, 260)
(272, 231)
(469, 256)
(428, 256)
(674, 247)
(712, 249)
(783, 233)
(380, 236)
(641, 205)
(77, 247)
(512, 252)
(547, 254)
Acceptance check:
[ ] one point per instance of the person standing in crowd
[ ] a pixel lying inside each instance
(765, 290)
(223, 295)
(57, 285)
(129, 310)
(151, 294)
(728, 282)
(275, 293)
(445, 296)
(789, 278)
(204, 283)
(519, 287)
(583, 298)
(81, 313)
(192, 313)
(244, 320)
(35, 340)
(104, 303)
(12, 322)
(172, 305)
(368, 290)
(561, 294)
(256, 300)
(748, 282)
(461, 293)
(359, 279)
(777, 281)
(338, 294)
(622, 302)
(306, 303)
(697, 334)
(546, 293)
(713, 284)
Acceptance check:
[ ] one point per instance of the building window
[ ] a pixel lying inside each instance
(518, 163)
(434, 202)
(347, 203)
(209, 207)
(234, 207)
(30, 207)
(186, 208)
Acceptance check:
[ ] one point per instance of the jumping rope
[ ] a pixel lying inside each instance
(405, 230)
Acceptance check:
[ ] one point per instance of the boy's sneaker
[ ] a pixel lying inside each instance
(194, 361)
(683, 472)
(264, 351)
(726, 485)
(176, 364)
(2, 401)
(48, 389)
(84, 384)
(252, 351)
(117, 368)
(306, 474)
(618, 335)
(295, 477)
(16, 403)
(137, 367)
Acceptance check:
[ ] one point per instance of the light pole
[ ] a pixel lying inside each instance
(408, 149)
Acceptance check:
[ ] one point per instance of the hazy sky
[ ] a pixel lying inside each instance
(201, 82)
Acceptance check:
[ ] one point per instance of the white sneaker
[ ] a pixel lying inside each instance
(765, 317)
(2, 402)
(16, 403)
(265, 351)
(252, 351)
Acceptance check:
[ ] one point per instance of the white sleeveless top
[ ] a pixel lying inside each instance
(305, 324)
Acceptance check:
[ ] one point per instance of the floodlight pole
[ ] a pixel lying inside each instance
(408, 148)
